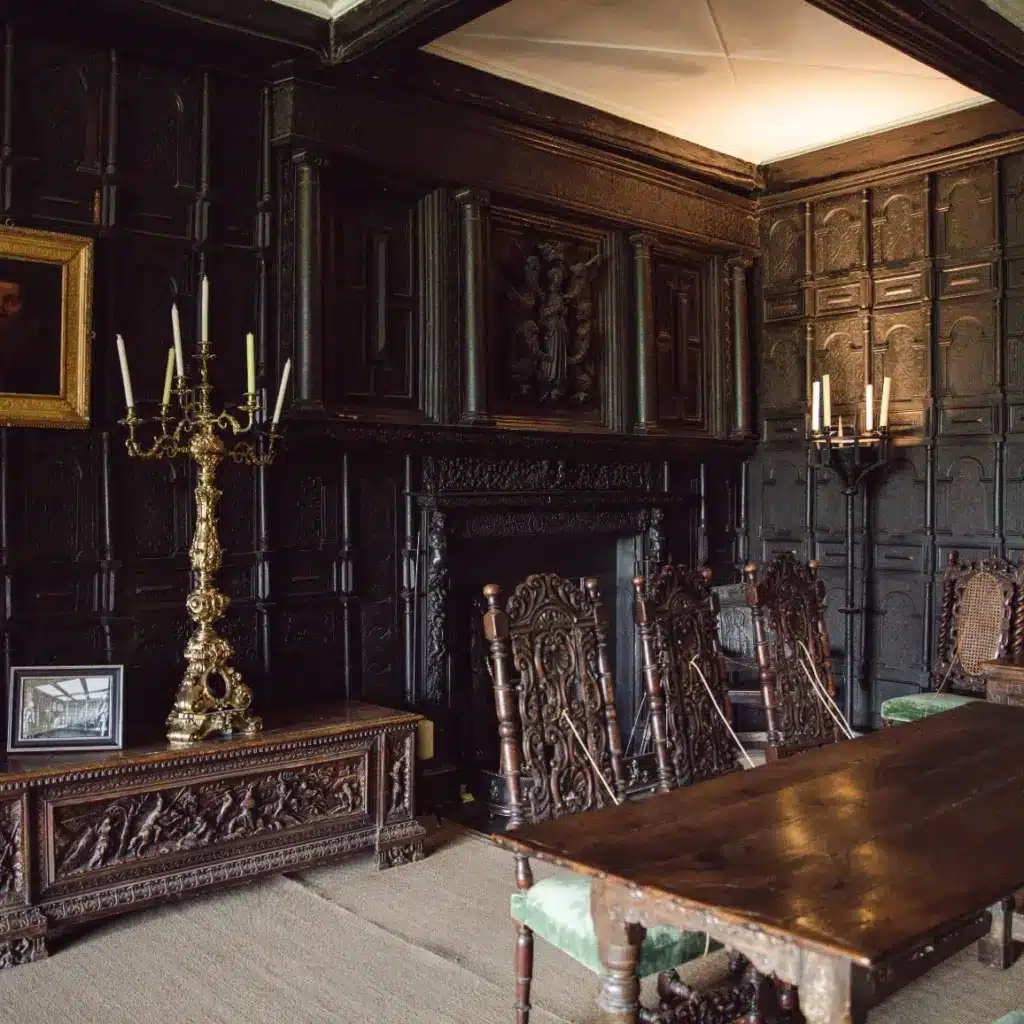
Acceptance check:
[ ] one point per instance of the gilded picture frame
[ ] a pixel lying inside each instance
(45, 328)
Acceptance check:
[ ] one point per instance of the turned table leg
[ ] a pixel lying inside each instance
(619, 944)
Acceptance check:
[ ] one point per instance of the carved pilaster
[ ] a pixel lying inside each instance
(435, 676)
(646, 354)
(472, 203)
(740, 318)
(309, 347)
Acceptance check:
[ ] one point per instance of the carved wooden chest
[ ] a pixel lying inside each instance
(92, 835)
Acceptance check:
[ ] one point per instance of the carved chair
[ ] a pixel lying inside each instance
(560, 754)
(981, 618)
(789, 632)
(676, 619)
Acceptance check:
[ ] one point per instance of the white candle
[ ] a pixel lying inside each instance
(869, 407)
(166, 400)
(204, 336)
(816, 407)
(179, 357)
(826, 391)
(250, 365)
(883, 418)
(126, 379)
(280, 392)
(840, 429)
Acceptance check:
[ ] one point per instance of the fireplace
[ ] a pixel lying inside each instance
(604, 521)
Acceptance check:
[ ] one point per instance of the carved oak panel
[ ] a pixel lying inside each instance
(12, 853)
(1014, 332)
(783, 363)
(1013, 484)
(966, 348)
(839, 352)
(159, 119)
(472, 474)
(900, 350)
(900, 500)
(371, 298)
(681, 344)
(783, 240)
(60, 96)
(116, 833)
(1013, 199)
(838, 234)
(899, 222)
(965, 491)
(545, 346)
(965, 210)
(783, 496)
(897, 627)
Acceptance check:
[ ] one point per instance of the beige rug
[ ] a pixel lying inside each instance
(429, 943)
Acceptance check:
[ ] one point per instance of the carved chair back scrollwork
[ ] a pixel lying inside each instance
(981, 618)
(787, 607)
(555, 698)
(677, 621)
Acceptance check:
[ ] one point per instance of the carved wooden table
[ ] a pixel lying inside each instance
(855, 862)
(92, 835)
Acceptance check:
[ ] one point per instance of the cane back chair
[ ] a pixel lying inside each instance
(790, 634)
(676, 619)
(981, 618)
(560, 754)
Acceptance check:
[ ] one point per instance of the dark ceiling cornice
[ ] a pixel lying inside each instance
(391, 29)
(461, 86)
(964, 39)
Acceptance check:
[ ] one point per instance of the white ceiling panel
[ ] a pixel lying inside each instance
(757, 79)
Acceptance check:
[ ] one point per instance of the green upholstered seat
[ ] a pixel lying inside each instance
(1017, 1017)
(558, 910)
(922, 705)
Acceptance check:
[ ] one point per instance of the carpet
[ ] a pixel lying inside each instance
(428, 943)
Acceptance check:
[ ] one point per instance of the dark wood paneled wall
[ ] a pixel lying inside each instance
(496, 333)
(916, 275)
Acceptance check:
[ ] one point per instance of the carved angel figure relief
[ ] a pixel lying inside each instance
(552, 358)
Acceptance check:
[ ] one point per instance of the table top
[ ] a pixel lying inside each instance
(282, 726)
(864, 848)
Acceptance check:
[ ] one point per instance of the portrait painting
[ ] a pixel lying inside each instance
(45, 307)
(56, 708)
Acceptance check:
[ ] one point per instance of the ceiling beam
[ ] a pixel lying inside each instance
(386, 28)
(964, 39)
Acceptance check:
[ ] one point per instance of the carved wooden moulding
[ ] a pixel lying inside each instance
(102, 835)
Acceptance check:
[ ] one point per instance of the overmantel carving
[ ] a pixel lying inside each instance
(12, 875)
(475, 474)
(167, 821)
(553, 358)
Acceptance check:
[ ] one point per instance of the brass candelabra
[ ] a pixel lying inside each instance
(211, 698)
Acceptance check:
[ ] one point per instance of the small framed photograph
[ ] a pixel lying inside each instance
(59, 708)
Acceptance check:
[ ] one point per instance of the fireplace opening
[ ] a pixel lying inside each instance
(613, 560)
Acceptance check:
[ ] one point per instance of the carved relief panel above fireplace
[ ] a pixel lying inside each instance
(548, 338)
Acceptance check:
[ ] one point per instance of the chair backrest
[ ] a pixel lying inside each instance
(555, 698)
(981, 618)
(676, 619)
(787, 606)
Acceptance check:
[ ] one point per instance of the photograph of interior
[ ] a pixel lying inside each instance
(512, 511)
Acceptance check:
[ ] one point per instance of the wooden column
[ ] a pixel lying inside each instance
(472, 203)
(309, 342)
(740, 344)
(646, 355)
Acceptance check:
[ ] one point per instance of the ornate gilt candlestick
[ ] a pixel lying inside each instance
(850, 459)
(211, 698)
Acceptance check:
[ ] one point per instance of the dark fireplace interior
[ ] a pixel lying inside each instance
(612, 559)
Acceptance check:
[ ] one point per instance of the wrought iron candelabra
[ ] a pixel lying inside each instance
(211, 698)
(851, 460)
